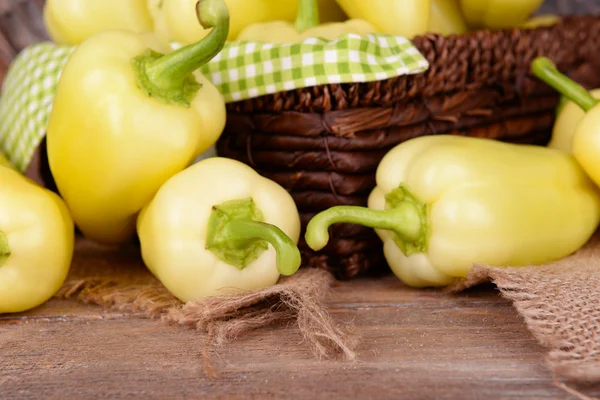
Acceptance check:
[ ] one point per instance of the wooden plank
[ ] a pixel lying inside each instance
(415, 344)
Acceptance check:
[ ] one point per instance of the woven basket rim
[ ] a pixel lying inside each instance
(448, 56)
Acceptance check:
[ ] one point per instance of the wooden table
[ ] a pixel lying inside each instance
(415, 345)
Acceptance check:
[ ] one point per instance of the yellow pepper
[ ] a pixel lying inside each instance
(218, 227)
(270, 32)
(498, 14)
(568, 116)
(407, 18)
(444, 203)
(585, 129)
(73, 21)
(174, 20)
(36, 243)
(4, 162)
(541, 21)
(306, 26)
(126, 118)
(446, 18)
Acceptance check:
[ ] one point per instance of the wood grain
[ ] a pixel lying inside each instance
(414, 344)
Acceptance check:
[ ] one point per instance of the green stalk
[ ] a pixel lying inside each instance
(241, 232)
(170, 77)
(546, 70)
(404, 220)
(237, 235)
(308, 15)
(4, 248)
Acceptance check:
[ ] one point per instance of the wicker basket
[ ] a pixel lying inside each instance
(324, 143)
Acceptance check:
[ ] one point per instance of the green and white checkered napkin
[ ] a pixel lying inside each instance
(26, 100)
(243, 70)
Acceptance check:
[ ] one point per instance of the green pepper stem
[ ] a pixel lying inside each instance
(171, 70)
(308, 15)
(404, 220)
(4, 248)
(546, 70)
(288, 255)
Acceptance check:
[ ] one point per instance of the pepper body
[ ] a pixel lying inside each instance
(307, 25)
(498, 14)
(36, 243)
(286, 32)
(580, 131)
(73, 21)
(183, 231)
(445, 203)
(568, 117)
(125, 119)
(4, 162)
(270, 32)
(406, 18)
(446, 18)
(174, 20)
(333, 30)
(541, 21)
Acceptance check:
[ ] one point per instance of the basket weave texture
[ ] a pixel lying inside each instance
(324, 143)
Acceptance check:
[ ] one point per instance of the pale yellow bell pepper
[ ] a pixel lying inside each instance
(568, 116)
(541, 21)
(73, 21)
(585, 131)
(218, 227)
(498, 14)
(36, 243)
(446, 18)
(307, 25)
(445, 203)
(407, 18)
(175, 21)
(128, 114)
(5, 162)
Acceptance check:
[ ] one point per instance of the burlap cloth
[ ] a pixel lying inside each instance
(559, 302)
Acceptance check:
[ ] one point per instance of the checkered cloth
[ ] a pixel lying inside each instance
(245, 70)
(241, 71)
(26, 100)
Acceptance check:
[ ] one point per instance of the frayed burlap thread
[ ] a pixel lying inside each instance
(298, 299)
(118, 280)
(560, 303)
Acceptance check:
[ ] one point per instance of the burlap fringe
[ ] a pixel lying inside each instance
(298, 300)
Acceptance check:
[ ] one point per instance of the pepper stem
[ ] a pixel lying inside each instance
(404, 220)
(169, 77)
(243, 231)
(237, 235)
(4, 248)
(308, 15)
(546, 70)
